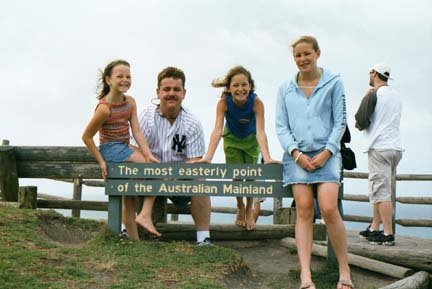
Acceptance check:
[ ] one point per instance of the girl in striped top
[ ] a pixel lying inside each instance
(114, 115)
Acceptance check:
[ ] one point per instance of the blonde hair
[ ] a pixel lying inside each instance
(225, 81)
(307, 39)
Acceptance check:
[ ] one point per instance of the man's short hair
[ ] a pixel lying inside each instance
(171, 72)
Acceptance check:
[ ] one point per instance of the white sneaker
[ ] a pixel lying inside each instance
(205, 242)
(124, 234)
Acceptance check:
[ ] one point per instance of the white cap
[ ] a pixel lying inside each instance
(382, 68)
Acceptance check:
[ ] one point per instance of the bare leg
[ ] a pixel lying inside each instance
(256, 210)
(250, 220)
(303, 229)
(376, 217)
(144, 219)
(386, 212)
(128, 216)
(327, 199)
(241, 214)
(201, 210)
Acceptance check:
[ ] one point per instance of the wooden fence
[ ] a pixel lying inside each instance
(76, 203)
(47, 201)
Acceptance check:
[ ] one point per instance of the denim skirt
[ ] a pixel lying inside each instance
(293, 173)
(115, 152)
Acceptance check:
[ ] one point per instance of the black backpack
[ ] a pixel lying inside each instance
(348, 156)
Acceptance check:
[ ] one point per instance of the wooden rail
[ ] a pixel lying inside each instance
(56, 202)
(55, 163)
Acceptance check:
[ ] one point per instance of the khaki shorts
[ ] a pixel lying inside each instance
(382, 167)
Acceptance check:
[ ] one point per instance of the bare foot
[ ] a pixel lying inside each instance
(345, 284)
(345, 281)
(250, 221)
(241, 219)
(147, 224)
(307, 285)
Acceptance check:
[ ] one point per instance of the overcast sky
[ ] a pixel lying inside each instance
(51, 51)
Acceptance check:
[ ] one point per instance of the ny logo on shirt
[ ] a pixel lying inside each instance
(178, 144)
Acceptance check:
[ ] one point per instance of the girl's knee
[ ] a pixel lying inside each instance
(330, 213)
(305, 214)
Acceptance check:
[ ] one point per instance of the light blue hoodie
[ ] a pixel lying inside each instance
(314, 123)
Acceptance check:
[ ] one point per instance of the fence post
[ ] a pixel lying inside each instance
(77, 193)
(277, 204)
(27, 197)
(393, 200)
(8, 173)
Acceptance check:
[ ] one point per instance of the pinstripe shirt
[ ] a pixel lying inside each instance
(177, 142)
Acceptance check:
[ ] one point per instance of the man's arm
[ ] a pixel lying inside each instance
(365, 110)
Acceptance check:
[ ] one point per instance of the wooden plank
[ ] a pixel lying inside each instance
(194, 171)
(419, 280)
(399, 177)
(57, 170)
(72, 204)
(414, 177)
(355, 198)
(182, 231)
(195, 188)
(226, 232)
(172, 209)
(8, 174)
(53, 153)
(403, 200)
(51, 197)
(359, 261)
(410, 252)
(415, 200)
(414, 222)
(94, 183)
(355, 218)
(10, 204)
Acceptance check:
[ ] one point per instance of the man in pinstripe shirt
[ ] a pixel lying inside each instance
(175, 135)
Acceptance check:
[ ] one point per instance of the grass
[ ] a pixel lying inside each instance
(42, 249)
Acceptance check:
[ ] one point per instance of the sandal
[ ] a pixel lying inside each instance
(308, 285)
(344, 282)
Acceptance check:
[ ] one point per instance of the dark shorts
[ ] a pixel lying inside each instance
(180, 201)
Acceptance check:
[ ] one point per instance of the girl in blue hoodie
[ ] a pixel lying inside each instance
(310, 122)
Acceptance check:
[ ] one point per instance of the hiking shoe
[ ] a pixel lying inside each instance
(205, 242)
(382, 239)
(366, 234)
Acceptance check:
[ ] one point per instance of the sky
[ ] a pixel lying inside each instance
(52, 51)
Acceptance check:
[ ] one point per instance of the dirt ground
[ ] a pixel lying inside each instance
(268, 265)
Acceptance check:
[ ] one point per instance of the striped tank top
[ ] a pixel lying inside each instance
(116, 127)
